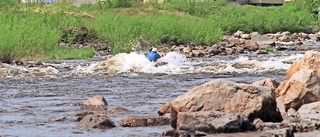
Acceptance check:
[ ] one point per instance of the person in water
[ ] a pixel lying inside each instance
(153, 55)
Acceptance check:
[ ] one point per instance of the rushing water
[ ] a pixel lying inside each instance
(41, 101)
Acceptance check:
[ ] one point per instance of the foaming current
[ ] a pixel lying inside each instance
(171, 63)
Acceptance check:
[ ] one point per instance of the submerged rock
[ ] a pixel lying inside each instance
(96, 121)
(139, 121)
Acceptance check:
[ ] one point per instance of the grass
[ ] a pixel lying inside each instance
(33, 31)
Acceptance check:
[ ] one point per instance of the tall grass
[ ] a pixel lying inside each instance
(30, 31)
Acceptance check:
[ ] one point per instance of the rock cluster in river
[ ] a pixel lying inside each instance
(291, 107)
(222, 106)
(253, 43)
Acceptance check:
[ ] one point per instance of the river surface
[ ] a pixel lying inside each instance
(42, 101)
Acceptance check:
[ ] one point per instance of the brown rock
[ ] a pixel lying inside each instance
(311, 60)
(302, 88)
(233, 41)
(95, 103)
(227, 96)
(250, 45)
(164, 109)
(137, 121)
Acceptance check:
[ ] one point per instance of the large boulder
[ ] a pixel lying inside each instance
(303, 87)
(213, 122)
(231, 97)
(311, 60)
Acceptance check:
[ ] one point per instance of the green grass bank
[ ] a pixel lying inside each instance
(33, 31)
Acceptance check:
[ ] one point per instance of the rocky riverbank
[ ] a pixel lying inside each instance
(236, 43)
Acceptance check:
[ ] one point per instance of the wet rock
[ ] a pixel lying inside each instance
(96, 121)
(227, 96)
(176, 133)
(286, 132)
(81, 114)
(301, 88)
(311, 60)
(139, 121)
(268, 82)
(95, 103)
(116, 110)
(213, 122)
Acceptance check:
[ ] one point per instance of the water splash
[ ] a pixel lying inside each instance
(172, 63)
(138, 63)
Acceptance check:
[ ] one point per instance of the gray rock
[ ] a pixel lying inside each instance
(96, 121)
(286, 132)
(213, 122)
(263, 40)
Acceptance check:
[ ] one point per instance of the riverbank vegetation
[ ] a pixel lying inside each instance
(33, 31)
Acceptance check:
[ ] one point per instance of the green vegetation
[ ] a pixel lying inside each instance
(33, 31)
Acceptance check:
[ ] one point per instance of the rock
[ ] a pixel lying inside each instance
(250, 45)
(164, 109)
(229, 51)
(227, 96)
(263, 40)
(268, 82)
(96, 103)
(313, 37)
(287, 33)
(302, 88)
(81, 114)
(245, 36)
(115, 110)
(238, 33)
(96, 121)
(175, 133)
(311, 60)
(253, 34)
(213, 122)
(233, 41)
(281, 107)
(310, 112)
(137, 121)
(286, 132)
(258, 124)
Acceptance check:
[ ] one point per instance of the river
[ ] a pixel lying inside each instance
(41, 101)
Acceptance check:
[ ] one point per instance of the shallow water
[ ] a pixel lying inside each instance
(44, 105)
